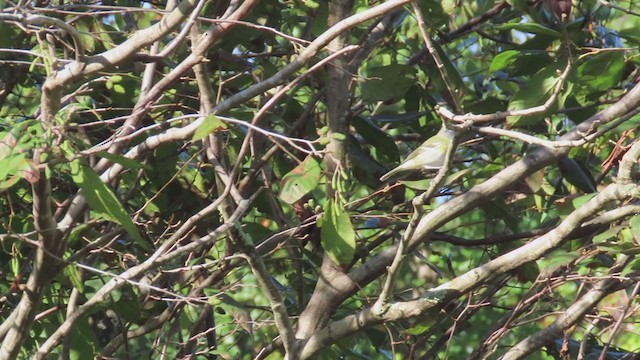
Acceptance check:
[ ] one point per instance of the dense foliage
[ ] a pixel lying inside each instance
(200, 179)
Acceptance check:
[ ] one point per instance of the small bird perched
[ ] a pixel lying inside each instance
(430, 155)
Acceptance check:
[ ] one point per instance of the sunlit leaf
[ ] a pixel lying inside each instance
(337, 234)
(83, 25)
(529, 27)
(300, 181)
(536, 92)
(606, 235)
(124, 161)
(634, 223)
(581, 200)
(210, 124)
(82, 341)
(102, 200)
(516, 62)
(72, 273)
(602, 71)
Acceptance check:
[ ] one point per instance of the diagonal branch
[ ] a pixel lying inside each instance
(570, 316)
(46, 20)
(158, 258)
(436, 298)
(533, 161)
(453, 92)
(126, 50)
(562, 78)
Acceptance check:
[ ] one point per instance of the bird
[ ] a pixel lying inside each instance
(428, 156)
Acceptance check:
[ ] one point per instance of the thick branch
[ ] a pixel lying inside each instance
(44, 269)
(322, 305)
(570, 317)
(439, 296)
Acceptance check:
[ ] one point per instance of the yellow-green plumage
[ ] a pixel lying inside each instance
(429, 155)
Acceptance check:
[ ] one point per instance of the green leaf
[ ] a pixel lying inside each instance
(528, 272)
(337, 235)
(433, 10)
(582, 112)
(504, 59)
(606, 235)
(104, 32)
(72, 273)
(387, 82)
(300, 181)
(633, 266)
(576, 175)
(82, 341)
(419, 328)
(411, 116)
(517, 62)
(102, 200)
(519, 4)
(15, 265)
(128, 308)
(634, 223)
(536, 91)
(83, 25)
(76, 234)
(319, 21)
(338, 136)
(379, 139)
(365, 168)
(224, 298)
(210, 124)
(581, 200)
(124, 161)
(311, 4)
(11, 164)
(448, 6)
(119, 89)
(423, 184)
(528, 27)
(626, 235)
(453, 75)
(558, 258)
(497, 210)
(25, 135)
(602, 72)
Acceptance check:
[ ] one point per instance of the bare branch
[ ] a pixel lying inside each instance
(437, 297)
(49, 21)
(568, 318)
(156, 259)
(453, 92)
(500, 115)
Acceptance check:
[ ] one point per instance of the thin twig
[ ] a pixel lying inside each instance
(46, 20)
(453, 92)
(256, 118)
(500, 115)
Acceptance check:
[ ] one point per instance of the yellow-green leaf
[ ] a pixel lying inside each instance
(72, 273)
(124, 161)
(337, 235)
(210, 124)
(300, 181)
(102, 200)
